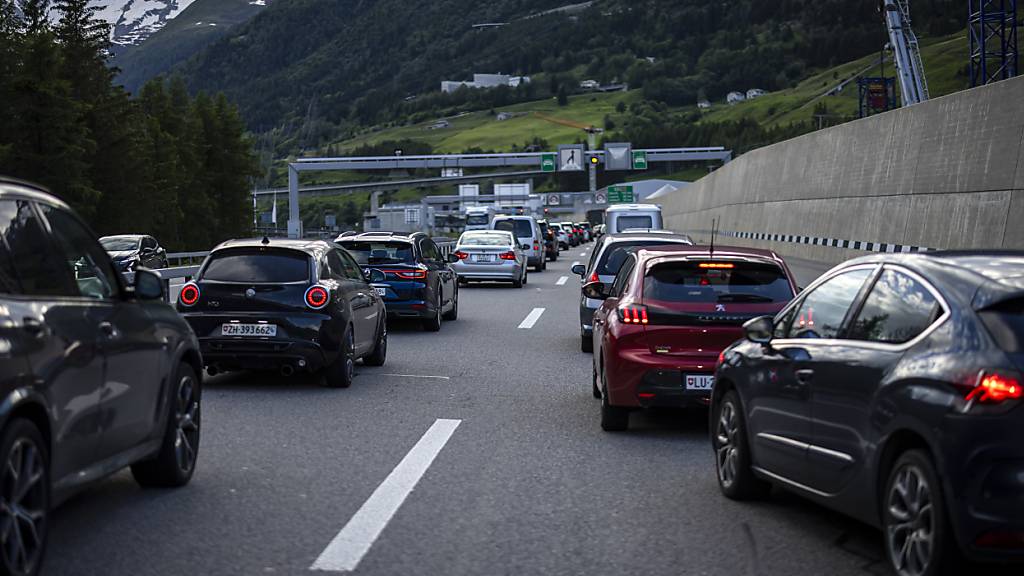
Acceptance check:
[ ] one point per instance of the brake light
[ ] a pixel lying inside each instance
(508, 255)
(536, 246)
(721, 356)
(317, 297)
(995, 388)
(461, 255)
(189, 295)
(717, 265)
(633, 314)
(408, 274)
(594, 277)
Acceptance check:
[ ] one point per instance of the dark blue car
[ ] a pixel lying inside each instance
(418, 281)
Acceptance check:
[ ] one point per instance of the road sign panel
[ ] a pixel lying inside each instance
(620, 195)
(600, 198)
(617, 156)
(639, 160)
(554, 200)
(570, 159)
(547, 163)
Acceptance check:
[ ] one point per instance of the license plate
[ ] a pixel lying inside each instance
(483, 258)
(699, 382)
(248, 330)
(380, 291)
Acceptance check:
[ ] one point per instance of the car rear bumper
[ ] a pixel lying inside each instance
(641, 379)
(503, 272)
(415, 309)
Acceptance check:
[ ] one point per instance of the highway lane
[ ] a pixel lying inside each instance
(526, 484)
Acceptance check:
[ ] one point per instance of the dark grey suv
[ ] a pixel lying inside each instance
(94, 375)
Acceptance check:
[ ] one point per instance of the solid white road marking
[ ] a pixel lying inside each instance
(531, 318)
(347, 549)
(416, 376)
(562, 281)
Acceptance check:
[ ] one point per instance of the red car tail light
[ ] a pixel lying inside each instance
(634, 314)
(461, 255)
(717, 265)
(594, 277)
(189, 295)
(317, 297)
(536, 246)
(508, 256)
(994, 389)
(408, 274)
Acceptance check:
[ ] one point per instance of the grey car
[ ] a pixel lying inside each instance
(490, 256)
(605, 260)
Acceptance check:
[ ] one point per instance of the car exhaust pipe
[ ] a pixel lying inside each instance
(287, 370)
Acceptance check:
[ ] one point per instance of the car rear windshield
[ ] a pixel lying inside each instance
(615, 254)
(521, 228)
(627, 222)
(381, 252)
(258, 266)
(1005, 322)
(486, 240)
(477, 220)
(739, 282)
(118, 244)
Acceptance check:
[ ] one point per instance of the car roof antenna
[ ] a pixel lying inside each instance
(265, 241)
(714, 230)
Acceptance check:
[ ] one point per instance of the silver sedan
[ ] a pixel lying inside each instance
(490, 256)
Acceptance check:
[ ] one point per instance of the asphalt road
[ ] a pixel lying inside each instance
(526, 484)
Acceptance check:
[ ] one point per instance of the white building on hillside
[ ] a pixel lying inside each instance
(735, 97)
(755, 93)
(485, 81)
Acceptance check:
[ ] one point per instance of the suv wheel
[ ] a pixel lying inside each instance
(339, 373)
(732, 453)
(24, 498)
(586, 342)
(434, 324)
(380, 351)
(453, 314)
(918, 539)
(176, 460)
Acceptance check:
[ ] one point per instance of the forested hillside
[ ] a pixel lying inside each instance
(333, 66)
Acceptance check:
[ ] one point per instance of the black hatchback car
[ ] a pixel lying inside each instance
(285, 305)
(131, 251)
(94, 375)
(889, 390)
(418, 282)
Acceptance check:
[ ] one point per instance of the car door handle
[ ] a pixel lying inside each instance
(804, 377)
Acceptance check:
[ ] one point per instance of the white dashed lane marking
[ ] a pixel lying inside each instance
(562, 281)
(531, 318)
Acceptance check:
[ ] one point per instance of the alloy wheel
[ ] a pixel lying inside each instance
(23, 507)
(911, 527)
(187, 421)
(727, 451)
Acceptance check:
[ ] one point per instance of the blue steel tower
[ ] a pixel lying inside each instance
(992, 26)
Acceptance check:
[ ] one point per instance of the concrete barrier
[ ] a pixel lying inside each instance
(948, 173)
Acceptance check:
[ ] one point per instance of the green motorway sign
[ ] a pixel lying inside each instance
(639, 160)
(547, 163)
(620, 195)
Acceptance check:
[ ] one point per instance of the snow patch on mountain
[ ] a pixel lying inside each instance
(132, 21)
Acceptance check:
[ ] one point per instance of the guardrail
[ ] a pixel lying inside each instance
(189, 256)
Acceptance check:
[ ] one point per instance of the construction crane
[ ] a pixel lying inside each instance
(906, 50)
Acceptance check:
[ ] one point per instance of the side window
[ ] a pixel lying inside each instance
(148, 242)
(351, 270)
(623, 277)
(822, 311)
(429, 250)
(897, 309)
(89, 265)
(335, 266)
(36, 266)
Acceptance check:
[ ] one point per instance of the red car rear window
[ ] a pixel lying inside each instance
(744, 282)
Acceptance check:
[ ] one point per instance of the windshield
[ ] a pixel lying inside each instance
(120, 243)
(485, 240)
(380, 252)
(627, 222)
(258, 266)
(477, 220)
(521, 228)
(615, 254)
(738, 282)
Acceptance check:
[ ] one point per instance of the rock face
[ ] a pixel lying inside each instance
(132, 21)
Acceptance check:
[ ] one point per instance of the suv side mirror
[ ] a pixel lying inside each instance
(451, 259)
(595, 291)
(375, 276)
(148, 285)
(579, 270)
(525, 246)
(759, 330)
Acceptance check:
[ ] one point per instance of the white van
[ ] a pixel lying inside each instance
(527, 231)
(632, 217)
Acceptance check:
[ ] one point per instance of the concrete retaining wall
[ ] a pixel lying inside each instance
(948, 173)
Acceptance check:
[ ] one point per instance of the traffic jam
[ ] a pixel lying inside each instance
(888, 389)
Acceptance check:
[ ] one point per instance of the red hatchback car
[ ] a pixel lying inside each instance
(667, 317)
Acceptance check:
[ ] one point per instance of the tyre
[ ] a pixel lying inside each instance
(586, 343)
(453, 314)
(24, 498)
(732, 452)
(434, 324)
(613, 418)
(593, 380)
(380, 351)
(518, 282)
(918, 538)
(339, 374)
(526, 277)
(174, 464)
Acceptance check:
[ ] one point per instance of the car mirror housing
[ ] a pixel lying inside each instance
(579, 270)
(760, 329)
(375, 276)
(148, 285)
(595, 291)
